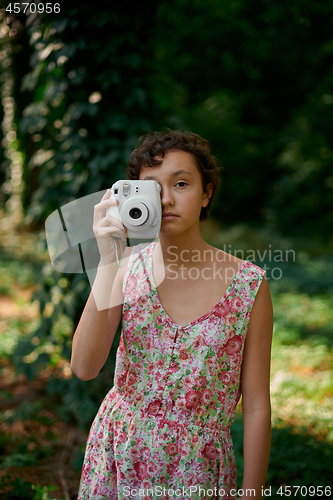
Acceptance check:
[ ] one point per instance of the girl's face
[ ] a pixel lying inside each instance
(181, 190)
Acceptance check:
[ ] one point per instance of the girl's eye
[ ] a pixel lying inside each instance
(181, 182)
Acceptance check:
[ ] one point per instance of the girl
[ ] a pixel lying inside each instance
(196, 334)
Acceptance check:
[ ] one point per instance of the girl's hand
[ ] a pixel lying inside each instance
(105, 226)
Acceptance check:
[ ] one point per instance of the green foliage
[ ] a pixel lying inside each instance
(22, 274)
(18, 459)
(78, 401)
(26, 411)
(88, 103)
(42, 492)
(256, 81)
(79, 458)
(18, 489)
(288, 461)
(296, 457)
(97, 81)
(19, 450)
(81, 107)
(302, 317)
(22, 456)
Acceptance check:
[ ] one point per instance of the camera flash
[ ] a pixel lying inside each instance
(126, 189)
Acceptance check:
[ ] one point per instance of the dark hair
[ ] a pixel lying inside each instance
(156, 144)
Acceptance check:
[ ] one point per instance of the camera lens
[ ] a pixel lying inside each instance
(135, 213)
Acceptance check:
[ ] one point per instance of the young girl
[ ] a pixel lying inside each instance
(196, 334)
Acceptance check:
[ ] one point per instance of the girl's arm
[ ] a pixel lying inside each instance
(255, 380)
(97, 327)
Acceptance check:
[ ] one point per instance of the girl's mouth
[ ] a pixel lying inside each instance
(169, 217)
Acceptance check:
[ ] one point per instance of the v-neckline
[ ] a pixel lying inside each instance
(202, 317)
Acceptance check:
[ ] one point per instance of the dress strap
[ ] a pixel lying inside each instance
(127, 272)
(146, 258)
(138, 265)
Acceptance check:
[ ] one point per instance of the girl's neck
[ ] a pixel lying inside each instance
(178, 247)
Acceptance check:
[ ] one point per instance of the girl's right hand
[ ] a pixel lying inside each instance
(105, 226)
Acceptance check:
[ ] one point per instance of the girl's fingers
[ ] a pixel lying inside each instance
(109, 220)
(113, 231)
(107, 203)
(102, 206)
(106, 195)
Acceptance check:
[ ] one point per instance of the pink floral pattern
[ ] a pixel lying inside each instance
(166, 421)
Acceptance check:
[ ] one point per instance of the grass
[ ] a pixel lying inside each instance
(302, 362)
(302, 357)
(34, 437)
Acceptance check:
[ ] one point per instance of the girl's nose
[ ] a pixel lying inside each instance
(166, 197)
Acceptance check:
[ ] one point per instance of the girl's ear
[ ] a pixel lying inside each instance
(207, 194)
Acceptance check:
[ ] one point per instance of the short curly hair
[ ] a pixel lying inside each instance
(157, 144)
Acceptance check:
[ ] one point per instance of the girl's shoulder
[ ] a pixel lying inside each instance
(219, 256)
(229, 261)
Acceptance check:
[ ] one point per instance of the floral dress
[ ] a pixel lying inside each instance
(163, 430)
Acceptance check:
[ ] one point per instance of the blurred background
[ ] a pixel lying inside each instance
(79, 85)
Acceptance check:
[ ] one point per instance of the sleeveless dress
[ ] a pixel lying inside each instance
(163, 430)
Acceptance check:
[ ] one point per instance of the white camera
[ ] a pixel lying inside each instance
(139, 207)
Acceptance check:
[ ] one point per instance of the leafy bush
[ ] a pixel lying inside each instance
(18, 489)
